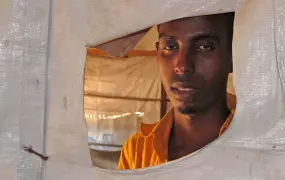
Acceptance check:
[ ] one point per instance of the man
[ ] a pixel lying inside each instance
(194, 57)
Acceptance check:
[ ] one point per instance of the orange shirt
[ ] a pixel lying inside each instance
(149, 146)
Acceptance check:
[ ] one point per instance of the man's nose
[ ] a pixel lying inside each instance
(184, 63)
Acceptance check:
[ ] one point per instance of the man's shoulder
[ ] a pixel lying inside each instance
(145, 131)
(134, 146)
(133, 138)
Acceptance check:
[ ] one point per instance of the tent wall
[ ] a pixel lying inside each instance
(241, 152)
(23, 54)
(253, 148)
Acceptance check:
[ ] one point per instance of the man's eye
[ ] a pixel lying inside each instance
(167, 44)
(171, 47)
(205, 47)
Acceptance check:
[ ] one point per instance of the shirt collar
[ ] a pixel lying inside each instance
(161, 135)
(161, 132)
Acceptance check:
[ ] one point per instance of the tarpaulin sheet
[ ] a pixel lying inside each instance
(51, 117)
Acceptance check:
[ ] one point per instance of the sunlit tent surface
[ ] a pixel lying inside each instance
(43, 50)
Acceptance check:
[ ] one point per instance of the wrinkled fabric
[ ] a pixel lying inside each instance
(51, 119)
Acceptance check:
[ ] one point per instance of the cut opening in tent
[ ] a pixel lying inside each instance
(122, 90)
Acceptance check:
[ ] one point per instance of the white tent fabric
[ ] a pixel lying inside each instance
(23, 44)
(42, 93)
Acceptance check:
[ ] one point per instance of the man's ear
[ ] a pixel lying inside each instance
(157, 45)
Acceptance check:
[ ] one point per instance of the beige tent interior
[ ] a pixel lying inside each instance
(123, 89)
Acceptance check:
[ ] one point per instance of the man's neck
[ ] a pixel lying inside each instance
(190, 133)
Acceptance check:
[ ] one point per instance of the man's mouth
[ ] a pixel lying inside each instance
(183, 90)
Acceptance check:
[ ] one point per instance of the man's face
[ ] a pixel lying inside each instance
(194, 57)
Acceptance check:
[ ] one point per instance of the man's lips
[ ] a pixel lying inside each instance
(185, 86)
(184, 89)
